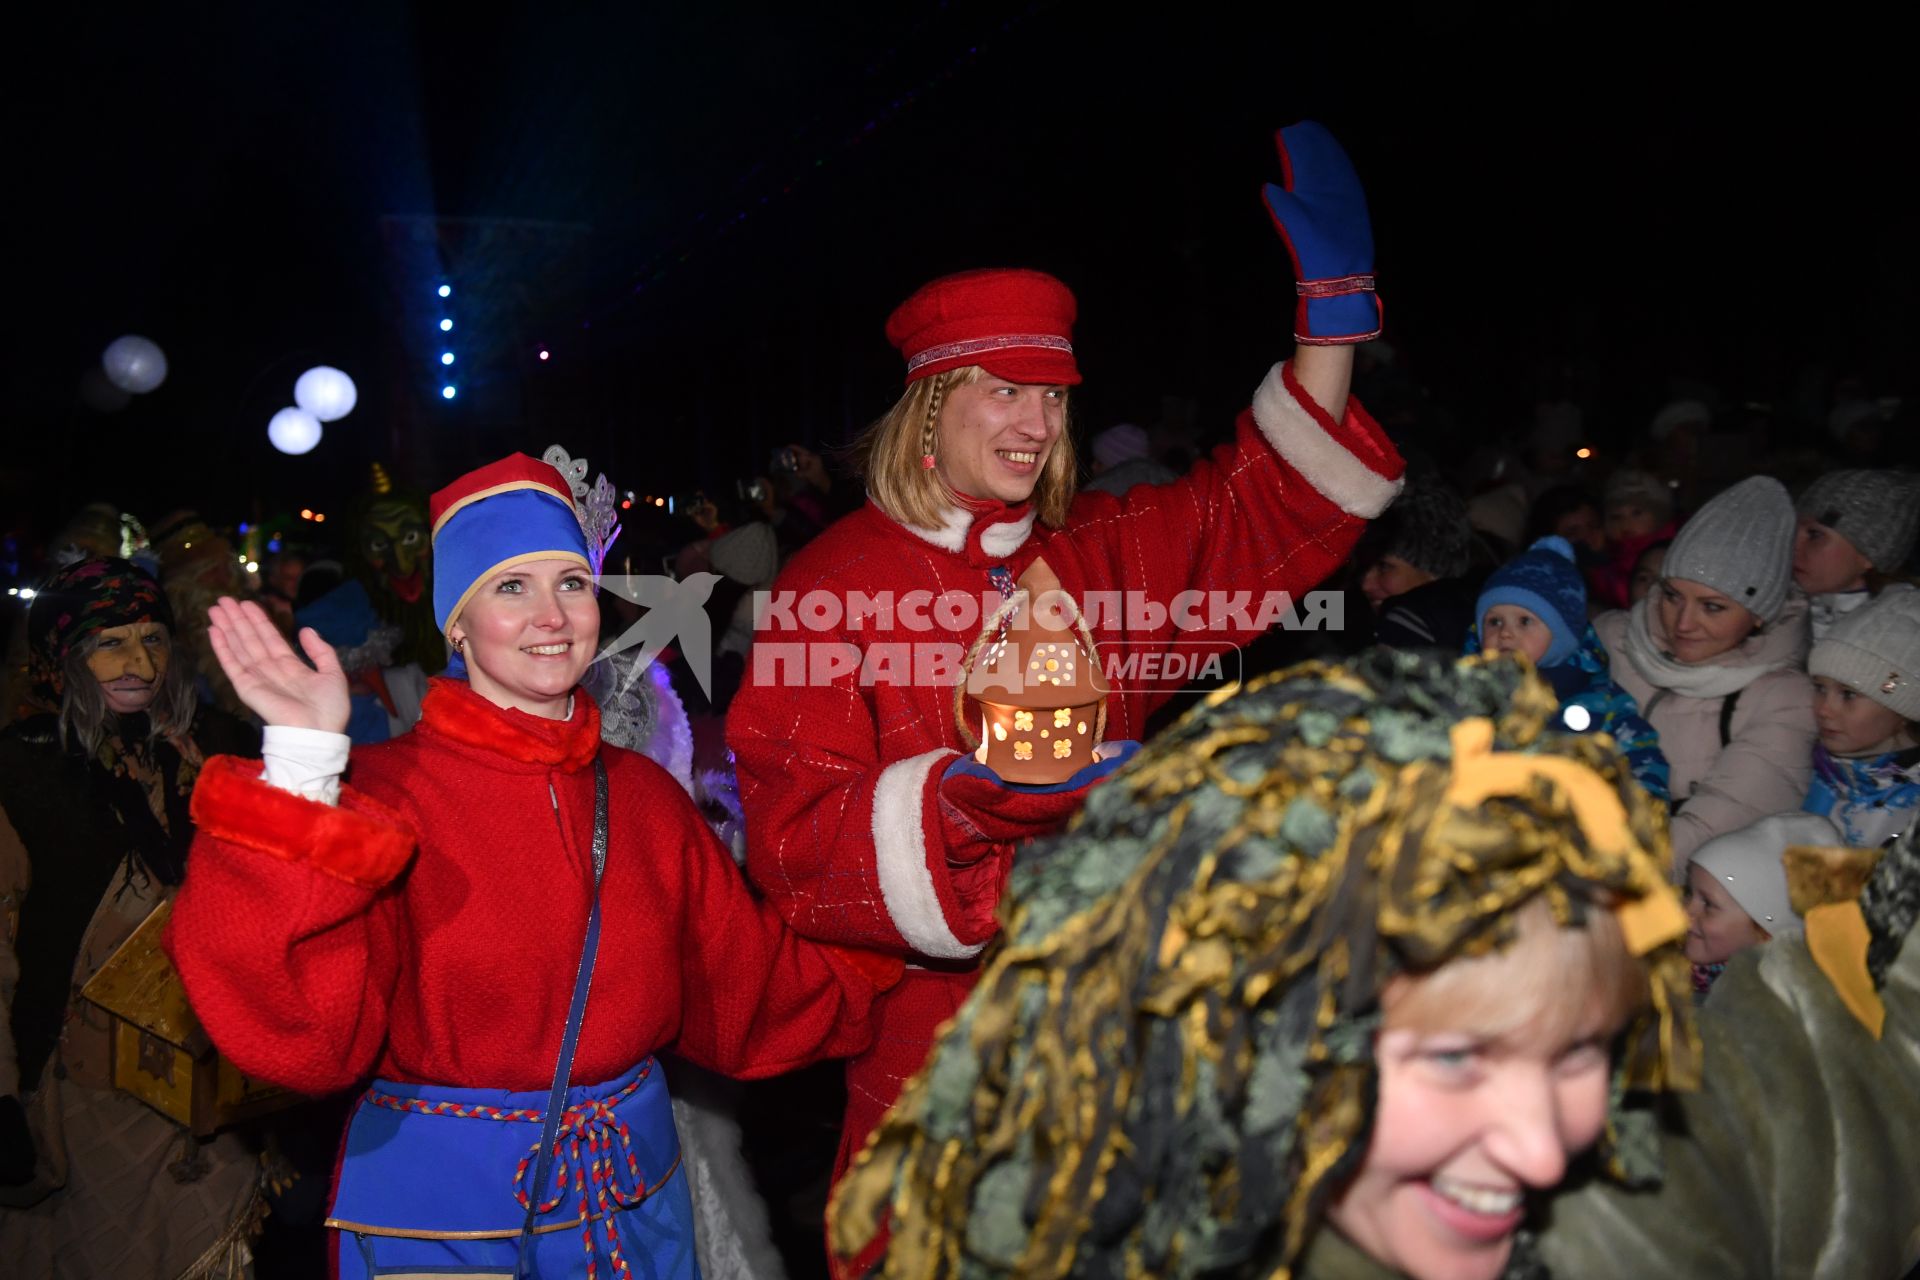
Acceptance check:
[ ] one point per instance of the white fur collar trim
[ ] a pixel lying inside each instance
(1297, 436)
(1002, 539)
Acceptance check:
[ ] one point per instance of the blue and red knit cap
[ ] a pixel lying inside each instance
(508, 513)
(96, 594)
(1014, 323)
(1543, 581)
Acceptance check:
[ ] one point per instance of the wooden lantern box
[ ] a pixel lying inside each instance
(1037, 680)
(161, 1054)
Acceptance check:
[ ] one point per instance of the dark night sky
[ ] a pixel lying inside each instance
(1625, 201)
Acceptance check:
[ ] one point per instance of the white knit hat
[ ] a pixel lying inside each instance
(1875, 650)
(1676, 414)
(1741, 545)
(1748, 864)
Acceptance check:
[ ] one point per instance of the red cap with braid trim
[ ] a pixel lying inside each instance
(1015, 324)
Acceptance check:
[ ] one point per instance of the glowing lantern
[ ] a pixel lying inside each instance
(1035, 674)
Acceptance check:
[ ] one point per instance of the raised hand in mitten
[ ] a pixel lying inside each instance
(1321, 213)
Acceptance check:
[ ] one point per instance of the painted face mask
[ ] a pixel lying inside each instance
(394, 562)
(394, 540)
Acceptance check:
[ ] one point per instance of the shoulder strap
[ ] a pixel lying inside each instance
(576, 1012)
(1727, 704)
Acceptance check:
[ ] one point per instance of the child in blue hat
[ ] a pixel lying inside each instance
(1536, 604)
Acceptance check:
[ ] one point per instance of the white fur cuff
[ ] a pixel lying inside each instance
(1296, 434)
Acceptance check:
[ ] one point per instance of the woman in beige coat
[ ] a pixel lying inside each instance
(1715, 656)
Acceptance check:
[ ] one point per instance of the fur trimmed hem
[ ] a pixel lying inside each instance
(366, 845)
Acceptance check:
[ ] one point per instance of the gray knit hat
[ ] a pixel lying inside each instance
(1741, 545)
(1877, 511)
(1628, 487)
(1876, 650)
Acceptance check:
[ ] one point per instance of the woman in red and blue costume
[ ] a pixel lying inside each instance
(867, 822)
(416, 914)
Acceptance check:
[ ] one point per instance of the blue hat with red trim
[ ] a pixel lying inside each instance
(510, 512)
(1015, 324)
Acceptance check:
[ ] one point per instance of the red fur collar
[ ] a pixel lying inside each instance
(453, 710)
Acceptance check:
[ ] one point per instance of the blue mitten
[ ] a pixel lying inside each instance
(1321, 214)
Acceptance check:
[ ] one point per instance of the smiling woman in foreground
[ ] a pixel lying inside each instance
(1362, 973)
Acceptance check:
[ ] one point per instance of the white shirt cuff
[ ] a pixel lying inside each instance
(307, 762)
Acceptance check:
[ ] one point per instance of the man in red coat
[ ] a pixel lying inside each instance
(860, 828)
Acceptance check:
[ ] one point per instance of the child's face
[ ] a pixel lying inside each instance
(1825, 562)
(1851, 723)
(1582, 527)
(1646, 573)
(1467, 1127)
(1508, 628)
(1717, 927)
(1630, 520)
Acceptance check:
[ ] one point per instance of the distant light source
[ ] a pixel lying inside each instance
(306, 513)
(659, 502)
(28, 593)
(545, 354)
(446, 291)
(293, 430)
(273, 544)
(253, 566)
(447, 392)
(243, 557)
(326, 393)
(244, 526)
(446, 326)
(134, 364)
(319, 517)
(446, 357)
(1583, 453)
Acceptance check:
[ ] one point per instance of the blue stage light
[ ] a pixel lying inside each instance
(446, 357)
(446, 326)
(447, 391)
(446, 291)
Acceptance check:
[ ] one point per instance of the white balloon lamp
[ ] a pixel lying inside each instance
(134, 364)
(294, 431)
(326, 393)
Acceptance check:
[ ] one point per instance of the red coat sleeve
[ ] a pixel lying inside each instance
(848, 831)
(282, 931)
(1276, 511)
(758, 999)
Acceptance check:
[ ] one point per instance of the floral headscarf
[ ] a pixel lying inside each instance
(81, 599)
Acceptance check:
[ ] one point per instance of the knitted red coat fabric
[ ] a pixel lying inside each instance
(850, 828)
(429, 928)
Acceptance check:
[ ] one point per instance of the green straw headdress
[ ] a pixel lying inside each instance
(1167, 1067)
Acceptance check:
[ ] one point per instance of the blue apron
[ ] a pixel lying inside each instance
(434, 1184)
